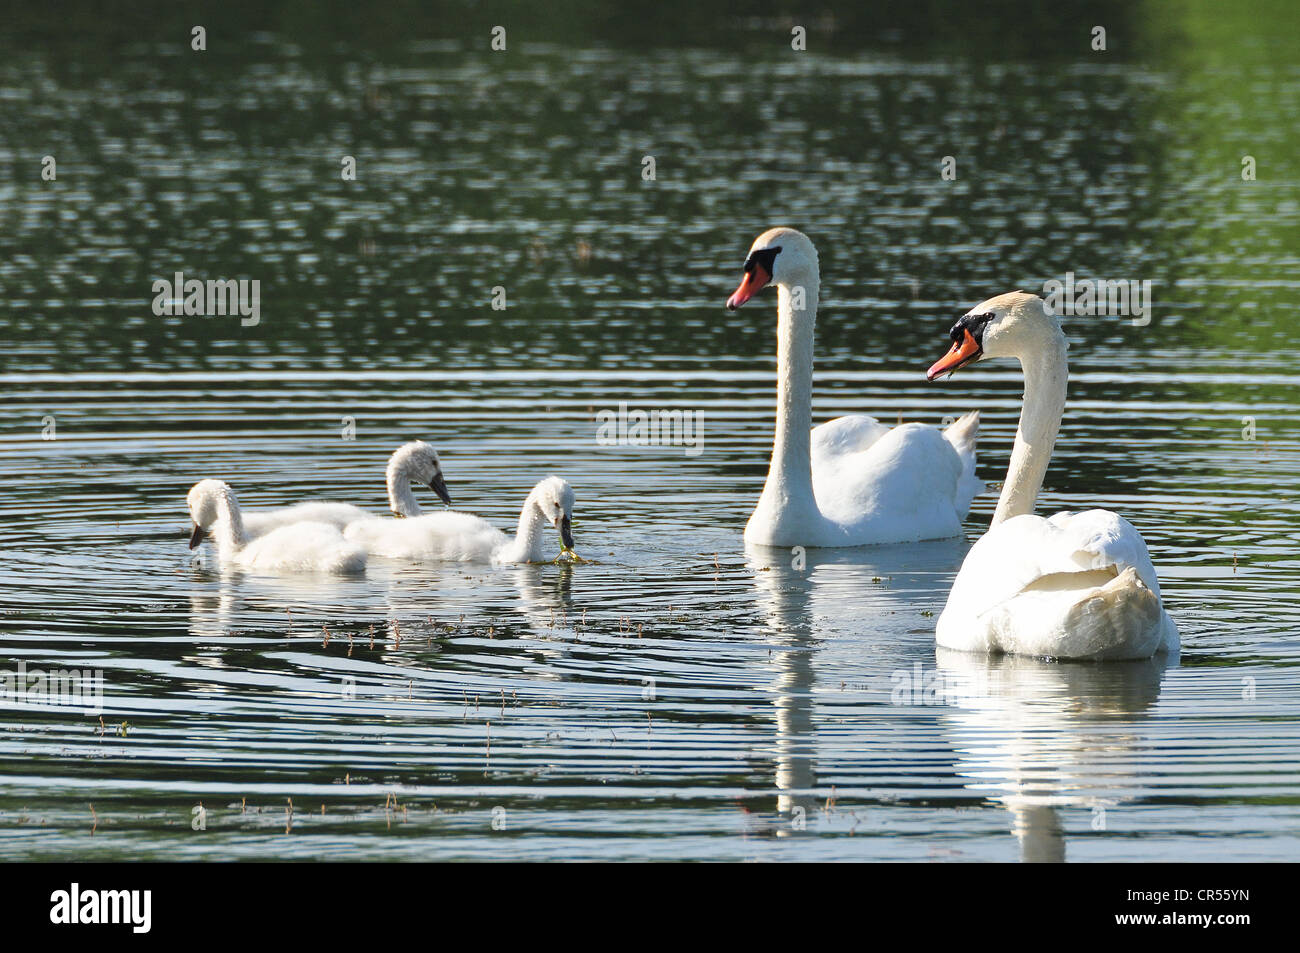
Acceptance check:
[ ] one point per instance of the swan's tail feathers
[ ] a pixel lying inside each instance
(1120, 620)
(963, 434)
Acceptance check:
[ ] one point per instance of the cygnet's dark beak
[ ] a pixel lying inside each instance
(440, 487)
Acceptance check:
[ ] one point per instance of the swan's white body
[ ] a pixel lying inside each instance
(463, 537)
(878, 484)
(852, 481)
(1075, 585)
(293, 547)
(412, 462)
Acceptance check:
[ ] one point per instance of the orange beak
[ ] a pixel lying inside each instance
(962, 353)
(754, 279)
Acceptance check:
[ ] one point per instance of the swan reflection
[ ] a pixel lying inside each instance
(827, 608)
(1043, 738)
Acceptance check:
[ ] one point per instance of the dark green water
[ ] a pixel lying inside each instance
(680, 697)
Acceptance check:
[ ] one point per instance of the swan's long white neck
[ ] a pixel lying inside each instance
(529, 536)
(401, 498)
(1046, 377)
(789, 479)
(228, 531)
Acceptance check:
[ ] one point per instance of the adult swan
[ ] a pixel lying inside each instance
(851, 481)
(1076, 585)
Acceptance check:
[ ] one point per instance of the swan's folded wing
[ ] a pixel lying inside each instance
(844, 435)
(901, 488)
(1105, 539)
(304, 546)
(446, 535)
(1013, 555)
(260, 522)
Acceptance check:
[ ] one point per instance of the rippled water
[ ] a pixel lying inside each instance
(678, 697)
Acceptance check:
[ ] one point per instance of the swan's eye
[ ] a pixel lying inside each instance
(974, 323)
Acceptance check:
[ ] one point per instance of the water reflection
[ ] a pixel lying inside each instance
(1043, 738)
(546, 598)
(784, 600)
(855, 595)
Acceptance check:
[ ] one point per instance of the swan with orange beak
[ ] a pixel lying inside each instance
(1073, 585)
(851, 481)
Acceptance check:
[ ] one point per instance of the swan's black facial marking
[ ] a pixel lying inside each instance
(975, 324)
(764, 258)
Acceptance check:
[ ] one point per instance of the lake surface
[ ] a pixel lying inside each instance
(678, 697)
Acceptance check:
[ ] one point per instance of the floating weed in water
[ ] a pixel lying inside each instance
(568, 557)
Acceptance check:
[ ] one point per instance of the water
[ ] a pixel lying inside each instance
(678, 697)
